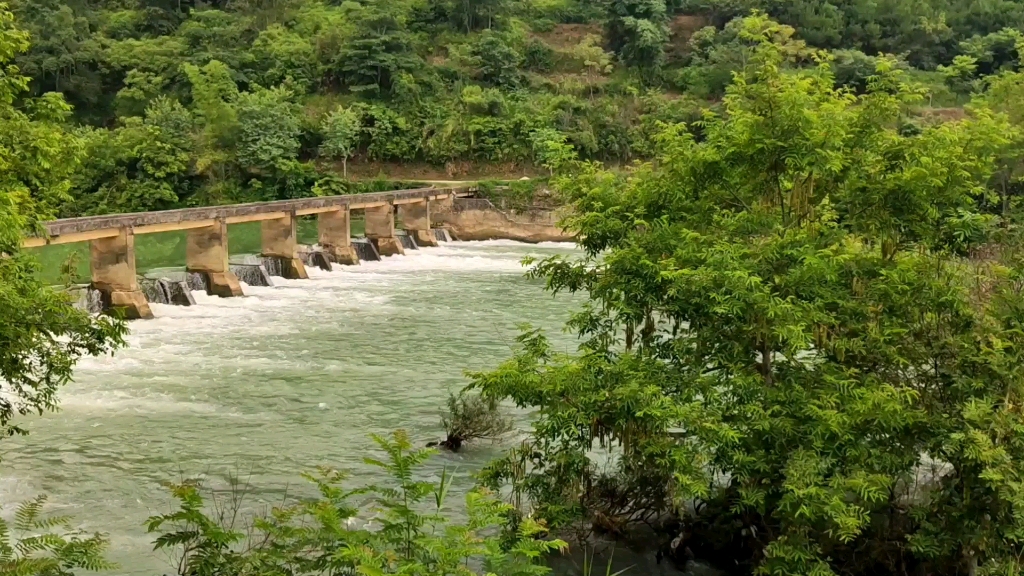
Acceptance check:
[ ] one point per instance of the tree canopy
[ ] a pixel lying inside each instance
(41, 335)
(799, 339)
(438, 83)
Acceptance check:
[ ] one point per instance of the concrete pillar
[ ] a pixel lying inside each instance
(441, 210)
(206, 252)
(278, 237)
(416, 221)
(380, 229)
(446, 204)
(335, 230)
(113, 274)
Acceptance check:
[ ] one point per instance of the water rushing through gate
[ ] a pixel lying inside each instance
(273, 384)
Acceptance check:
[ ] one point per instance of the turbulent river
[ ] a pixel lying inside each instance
(273, 384)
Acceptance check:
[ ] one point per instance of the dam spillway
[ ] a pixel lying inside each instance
(427, 217)
(112, 251)
(269, 375)
(178, 287)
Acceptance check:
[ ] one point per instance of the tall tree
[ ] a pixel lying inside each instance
(784, 327)
(638, 31)
(41, 335)
(380, 51)
(341, 131)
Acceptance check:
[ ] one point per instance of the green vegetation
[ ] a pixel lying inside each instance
(41, 335)
(803, 338)
(323, 536)
(802, 350)
(193, 103)
(470, 417)
(47, 545)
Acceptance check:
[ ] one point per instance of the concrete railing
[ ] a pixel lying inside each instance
(94, 227)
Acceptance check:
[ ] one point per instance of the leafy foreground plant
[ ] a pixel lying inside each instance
(790, 344)
(317, 536)
(35, 544)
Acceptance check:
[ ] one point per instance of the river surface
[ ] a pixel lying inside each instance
(273, 384)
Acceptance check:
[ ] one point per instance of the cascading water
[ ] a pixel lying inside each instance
(407, 241)
(181, 294)
(87, 298)
(198, 282)
(314, 256)
(366, 250)
(442, 235)
(272, 265)
(166, 291)
(252, 274)
(154, 291)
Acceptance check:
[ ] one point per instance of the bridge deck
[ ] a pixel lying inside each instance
(92, 227)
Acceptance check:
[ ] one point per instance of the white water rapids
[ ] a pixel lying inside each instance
(276, 383)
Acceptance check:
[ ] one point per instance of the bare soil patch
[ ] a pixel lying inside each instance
(567, 36)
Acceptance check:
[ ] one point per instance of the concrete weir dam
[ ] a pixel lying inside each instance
(427, 216)
(263, 388)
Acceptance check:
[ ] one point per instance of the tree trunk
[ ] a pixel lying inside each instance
(1006, 200)
(971, 560)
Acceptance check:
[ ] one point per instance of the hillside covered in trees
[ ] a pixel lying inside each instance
(177, 103)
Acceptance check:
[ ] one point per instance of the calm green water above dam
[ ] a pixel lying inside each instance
(276, 383)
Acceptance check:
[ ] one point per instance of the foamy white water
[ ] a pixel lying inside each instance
(276, 383)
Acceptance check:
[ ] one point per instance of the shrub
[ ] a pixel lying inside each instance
(470, 417)
(39, 545)
(783, 329)
(321, 535)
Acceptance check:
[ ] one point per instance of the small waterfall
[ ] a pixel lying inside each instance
(165, 291)
(252, 274)
(87, 298)
(198, 282)
(180, 293)
(314, 256)
(155, 291)
(407, 241)
(365, 249)
(442, 235)
(272, 265)
(320, 259)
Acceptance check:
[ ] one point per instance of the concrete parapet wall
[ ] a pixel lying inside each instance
(92, 227)
(479, 219)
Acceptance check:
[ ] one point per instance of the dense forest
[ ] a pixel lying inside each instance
(183, 103)
(803, 342)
